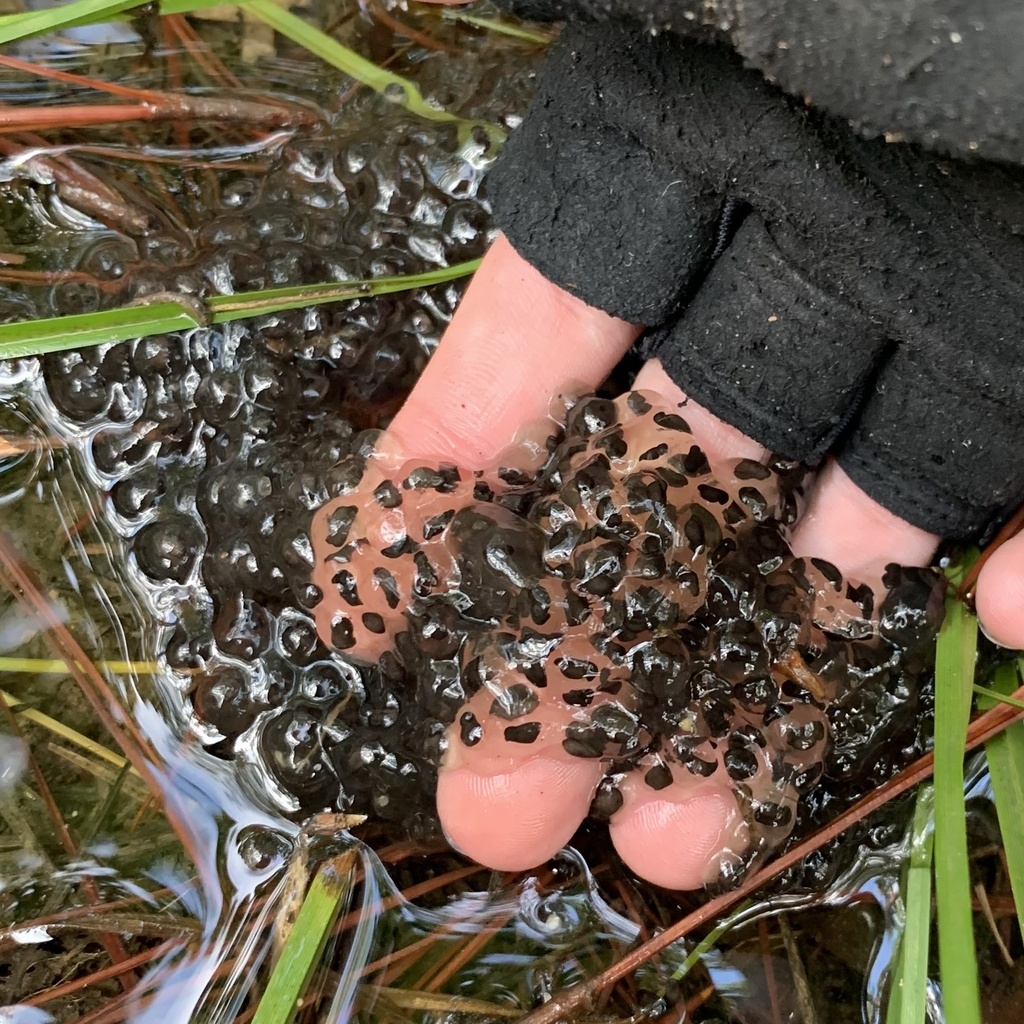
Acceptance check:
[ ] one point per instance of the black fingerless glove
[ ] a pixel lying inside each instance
(948, 74)
(816, 289)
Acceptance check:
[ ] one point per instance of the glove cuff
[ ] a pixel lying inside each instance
(692, 17)
(609, 219)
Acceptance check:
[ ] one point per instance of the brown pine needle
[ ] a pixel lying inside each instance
(351, 919)
(160, 926)
(53, 277)
(400, 28)
(796, 966)
(449, 968)
(633, 912)
(162, 107)
(767, 962)
(394, 964)
(173, 61)
(696, 1002)
(69, 914)
(110, 940)
(42, 71)
(199, 51)
(990, 920)
(11, 446)
(20, 581)
(86, 980)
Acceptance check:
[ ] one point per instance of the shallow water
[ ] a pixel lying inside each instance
(161, 505)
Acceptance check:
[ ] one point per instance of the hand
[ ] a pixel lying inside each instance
(512, 806)
(872, 260)
(866, 303)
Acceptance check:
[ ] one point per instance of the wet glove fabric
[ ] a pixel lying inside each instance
(948, 74)
(818, 290)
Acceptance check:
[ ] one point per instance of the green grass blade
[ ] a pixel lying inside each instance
(990, 697)
(58, 334)
(1005, 754)
(52, 19)
(504, 28)
(331, 888)
(225, 308)
(709, 940)
(187, 6)
(909, 987)
(954, 679)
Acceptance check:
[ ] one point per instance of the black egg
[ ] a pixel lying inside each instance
(167, 549)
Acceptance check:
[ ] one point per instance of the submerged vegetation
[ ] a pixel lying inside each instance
(138, 873)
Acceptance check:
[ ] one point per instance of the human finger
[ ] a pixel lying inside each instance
(631, 467)
(848, 528)
(523, 758)
(999, 596)
(718, 439)
(516, 344)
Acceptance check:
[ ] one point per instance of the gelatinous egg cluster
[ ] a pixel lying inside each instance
(214, 444)
(651, 593)
(657, 598)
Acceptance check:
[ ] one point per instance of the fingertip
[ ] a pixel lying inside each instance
(517, 819)
(678, 837)
(999, 597)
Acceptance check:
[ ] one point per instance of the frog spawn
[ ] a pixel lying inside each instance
(628, 604)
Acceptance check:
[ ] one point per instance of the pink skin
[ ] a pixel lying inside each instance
(678, 836)
(537, 791)
(516, 342)
(1000, 594)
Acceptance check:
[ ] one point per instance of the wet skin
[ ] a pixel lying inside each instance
(517, 344)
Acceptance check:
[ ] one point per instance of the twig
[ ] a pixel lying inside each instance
(78, 187)
(796, 967)
(71, 913)
(161, 107)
